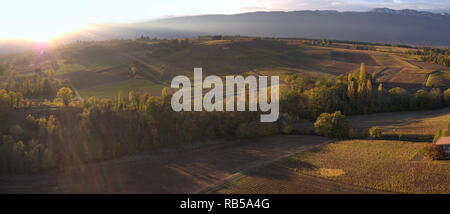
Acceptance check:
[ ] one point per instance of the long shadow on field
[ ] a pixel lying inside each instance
(394, 118)
(281, 170)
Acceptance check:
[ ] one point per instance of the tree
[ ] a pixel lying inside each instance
(132, 69)
(51, 75)
(380, 91)
(432, 151)
(362, 73)
(399, 99)
(332, 125)
(340, 125)
(26, 88)
(369, 89)
(446, 97)
(46, 86)
(350, 87)
(164, 92)
(435, 98)
(375, 132)
(421, 99)
(119, 104)
(37, 80)
(65, 95)
(437, 136)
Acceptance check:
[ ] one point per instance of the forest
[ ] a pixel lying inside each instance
(95, 129)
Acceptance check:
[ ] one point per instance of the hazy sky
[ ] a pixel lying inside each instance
(43, 19)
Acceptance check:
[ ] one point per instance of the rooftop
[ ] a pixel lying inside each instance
(443, 141)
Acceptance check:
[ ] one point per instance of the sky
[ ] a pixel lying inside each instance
(44, 19)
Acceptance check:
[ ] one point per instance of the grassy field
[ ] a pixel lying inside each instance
(185, 170)
(428, 65)
(99, 66)
(405, 123)
(348, 166)
(410, 76)
(386, 60)
(65, 68)
(422, 124)
(216, 42)
(439, 79)
(124, 87)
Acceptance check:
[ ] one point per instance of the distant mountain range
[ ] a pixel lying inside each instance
(383, 25)
(407, 12)
(378, 25)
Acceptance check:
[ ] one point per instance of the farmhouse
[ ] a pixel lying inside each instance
(444, 142)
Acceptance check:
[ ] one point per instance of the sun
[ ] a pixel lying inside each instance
(27, 34)
(41, 37)
(40, 32)
(47, 33)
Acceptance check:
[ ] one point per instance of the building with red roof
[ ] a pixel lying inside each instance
(444, 142)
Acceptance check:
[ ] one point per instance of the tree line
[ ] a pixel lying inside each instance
(355, 93)
(439, 56)
(99, 129)
(39, 84)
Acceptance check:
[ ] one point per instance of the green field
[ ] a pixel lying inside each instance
(160, 61)
(346, 166)
(439, 79)
(415, 123)
(112, 90)
(65, 68)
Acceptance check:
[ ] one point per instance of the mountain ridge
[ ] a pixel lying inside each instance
(379, 25)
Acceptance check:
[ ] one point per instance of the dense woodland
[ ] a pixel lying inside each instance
(353, 94)
(97, 129)
(15, 92)
(436, 55)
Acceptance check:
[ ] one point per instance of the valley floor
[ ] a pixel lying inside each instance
(356, 166)
(192, 171)
(265, 165)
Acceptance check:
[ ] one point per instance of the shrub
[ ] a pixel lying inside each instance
(437, 136)
(433, 152)
(375, 132)
(286, 124)
(441, 133)
(447, 97)
(64, 96)
(30, 122)
(332, 125)
(286, 128)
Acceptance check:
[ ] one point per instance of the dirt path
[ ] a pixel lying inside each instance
(151, 67)
(164, 172)
(276, 179)
(77, 94)
(428, 76)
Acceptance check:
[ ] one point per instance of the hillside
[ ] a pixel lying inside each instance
(103, 69)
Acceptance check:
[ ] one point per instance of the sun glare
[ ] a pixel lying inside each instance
(41, 32)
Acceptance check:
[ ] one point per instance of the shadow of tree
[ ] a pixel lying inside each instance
(282, 170)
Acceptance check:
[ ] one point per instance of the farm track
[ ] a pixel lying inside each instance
(428, 76)
(189, 171)
(151, 67)
(77, 94)
(286, 181)
(248, 169)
